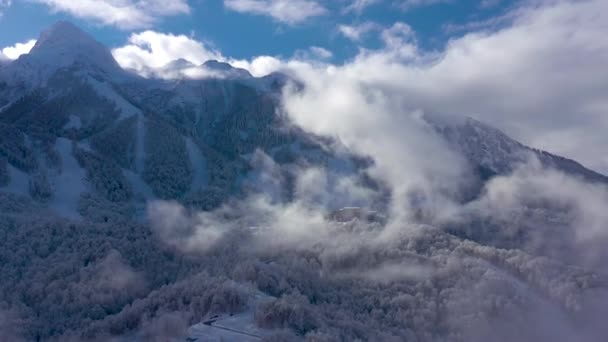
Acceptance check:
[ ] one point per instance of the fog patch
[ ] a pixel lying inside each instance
(542, 211)
(164, 327)
(392, 272)
(184, 230)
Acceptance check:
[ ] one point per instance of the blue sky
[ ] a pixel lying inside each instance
(247, 33)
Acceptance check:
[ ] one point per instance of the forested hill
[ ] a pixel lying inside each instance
(149, 209)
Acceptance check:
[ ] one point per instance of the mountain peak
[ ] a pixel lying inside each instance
(64, 44)
(62, 32)
(180, 63)
(226, 68)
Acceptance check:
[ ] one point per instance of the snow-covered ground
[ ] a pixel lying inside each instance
(106, 90)
(231, 328)
(212, 333)
(200, 178)
(143, 192)
(69, 183)
(140, 187)
(140, 149)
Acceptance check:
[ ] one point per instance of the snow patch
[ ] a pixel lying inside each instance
(231, 328)
(140, 188)
(140, 150)
(143, 192)
(200, 178)
(107, 90)
(69, 183)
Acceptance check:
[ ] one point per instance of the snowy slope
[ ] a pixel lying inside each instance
(493, 152)
(231, 327)
(106, 90)
(62, 45)
(222, 122)
(69, 184)
(200, 179)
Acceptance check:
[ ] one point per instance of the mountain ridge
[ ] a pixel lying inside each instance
(131, 205)
(223, 120)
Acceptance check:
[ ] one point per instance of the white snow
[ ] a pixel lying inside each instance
(107, 90)
(69, 183)
(140, 150)
(203, 332)
(58, 47)
(479, 143)
(143, 192)
(140, 187)
(200, 178)
(231, 328)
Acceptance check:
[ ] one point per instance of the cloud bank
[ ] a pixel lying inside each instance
(13, 52)
(356, 32)
(526, 77)
(148, 52)
(124, 14)
(286, 11)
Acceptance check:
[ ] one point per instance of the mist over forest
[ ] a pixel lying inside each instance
(404, 194)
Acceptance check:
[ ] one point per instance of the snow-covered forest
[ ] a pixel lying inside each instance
(135, 209)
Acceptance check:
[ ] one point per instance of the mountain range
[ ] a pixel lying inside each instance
(86, 147)
(75, 123)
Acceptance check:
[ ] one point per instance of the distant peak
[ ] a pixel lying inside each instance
(180, 63)
(217, 65)
(64, 43)
(226, 68)
(64, 26)
(63, 32)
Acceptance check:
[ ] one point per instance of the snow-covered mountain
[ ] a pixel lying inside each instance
(495, 153)
(86, 147)
(78, 129)
(62, 46)
(70, 113)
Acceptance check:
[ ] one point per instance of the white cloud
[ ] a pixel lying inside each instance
(149, 51)
(550, 202)
(314, 53)
(13, 52)
(541, 78)
(190, 232)
(3, 5)
(124, 14)
(320, 52)
(287, 11)
(260, 66)
(523, 78)
(358, 6)
(409, 4)
(489, 3)
(398, 35)
(356, 32)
